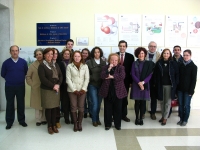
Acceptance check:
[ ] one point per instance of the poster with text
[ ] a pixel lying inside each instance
(175, 31)
(193, 31)
(130, 29)
(106, 30)
(153, 29)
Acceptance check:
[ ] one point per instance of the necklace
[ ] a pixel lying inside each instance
(165, 64)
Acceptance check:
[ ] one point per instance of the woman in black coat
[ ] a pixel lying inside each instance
(166, 81)
(188, 78)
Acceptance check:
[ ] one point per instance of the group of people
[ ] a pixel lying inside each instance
(74, 83)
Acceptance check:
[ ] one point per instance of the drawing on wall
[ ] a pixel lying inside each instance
(193, 31)
(106, 30)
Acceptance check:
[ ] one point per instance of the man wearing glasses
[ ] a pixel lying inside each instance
(153, 55)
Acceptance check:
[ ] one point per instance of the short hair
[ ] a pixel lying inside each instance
(122, 41)
(113, 54)
(93, 51)
(72, 58)
(48, 49)
(138, 50)
(152, 42)
(64, 50)
(14, 46)
(69, 40)
(37, 50)
(86, 49)
(166, 49)
(188, 51)
(176, 46)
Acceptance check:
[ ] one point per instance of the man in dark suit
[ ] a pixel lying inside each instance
(126, 59)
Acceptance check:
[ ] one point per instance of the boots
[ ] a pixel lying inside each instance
(74, 116)
(80, 118)
(72, 122)
(66, 116)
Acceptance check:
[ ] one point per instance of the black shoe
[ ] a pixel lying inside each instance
(118, 128)
(126, 119)
(43, 122)
(23, 124)
(141, 122)
(8, 127)
(38, 123)
(137, 121)
(107, 128)
(85, 115)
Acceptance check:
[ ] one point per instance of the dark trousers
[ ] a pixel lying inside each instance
(153, 99)
(112, 108)
(11, 92)
(125, 101)
(51, 116)
(139, 108)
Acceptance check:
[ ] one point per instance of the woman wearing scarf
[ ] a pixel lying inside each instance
(186, 86)
(141, 73)
(166, 81)
(51, 79)
(77, 78)
(113, 91)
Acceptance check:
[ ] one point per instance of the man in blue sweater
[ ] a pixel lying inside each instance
(13, 71)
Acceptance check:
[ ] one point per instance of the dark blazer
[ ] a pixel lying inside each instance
(45, 75)
(187, 78)
(129, 59)
(119, 76)
(174, 77)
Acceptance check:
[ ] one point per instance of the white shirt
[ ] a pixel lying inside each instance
(97, 61)
(15, 60)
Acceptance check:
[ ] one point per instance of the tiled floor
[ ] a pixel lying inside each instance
(150, 136)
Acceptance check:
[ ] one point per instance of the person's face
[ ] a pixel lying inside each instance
(166, 55)
(69, 45)
(85, 54)
(114, 60)
(14, 52)
(39, 55)
(177, 51)
(77, 57)
(186, 56)
(122, 47)
(66, 55)
(152, 47)
(48, 56)
(55, 55)
(96, 54)
(141, 56)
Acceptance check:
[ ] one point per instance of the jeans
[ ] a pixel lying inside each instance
(87, 104)
(184, 105)
(95, 102)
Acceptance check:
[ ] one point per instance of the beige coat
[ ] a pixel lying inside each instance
(77, 79)
(33, 80)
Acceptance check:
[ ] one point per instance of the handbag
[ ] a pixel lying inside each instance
(174, 103)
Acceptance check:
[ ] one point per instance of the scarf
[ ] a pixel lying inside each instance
(187, 62)
(77, 64)
(154, 56)
(54, 70)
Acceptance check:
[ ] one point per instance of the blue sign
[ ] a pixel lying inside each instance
(52, 34)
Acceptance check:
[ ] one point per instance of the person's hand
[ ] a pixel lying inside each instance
(110, 67)
(76, 93)
(110, 77)
(56, 87)
(81, 92)
(141, 85)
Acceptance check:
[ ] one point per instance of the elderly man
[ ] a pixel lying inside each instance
(153, 55)
(14, 70)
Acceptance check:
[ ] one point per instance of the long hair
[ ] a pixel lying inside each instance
(170, 57)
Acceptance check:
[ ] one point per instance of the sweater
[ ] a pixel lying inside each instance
(14, 73)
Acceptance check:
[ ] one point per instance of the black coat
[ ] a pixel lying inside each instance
(187, 78)
(174, 77)
(129, 59)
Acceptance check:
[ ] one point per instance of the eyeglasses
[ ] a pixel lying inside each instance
(153, 46)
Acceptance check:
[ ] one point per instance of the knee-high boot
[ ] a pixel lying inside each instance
(74, 116)
(80, 118)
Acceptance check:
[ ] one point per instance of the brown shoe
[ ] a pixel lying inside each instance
(164, 122)
(161, 120)
(153, 116)
(80, 118)
(74, 118)
(50, 131)
(58, 125)
(126, 119)
(98, 122)
(95, 124)
(55, 130)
